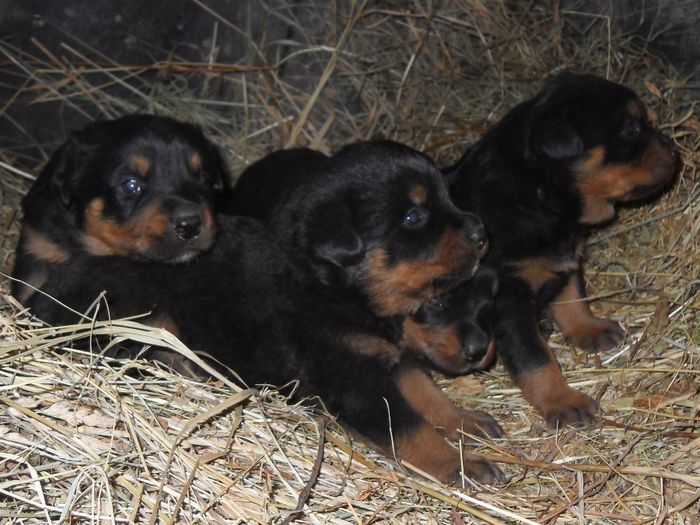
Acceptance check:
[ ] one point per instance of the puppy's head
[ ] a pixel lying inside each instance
(140, 186)
(455, 331)
(598, 132)
(383, 222)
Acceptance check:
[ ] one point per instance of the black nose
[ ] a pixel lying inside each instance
(187, 225)
(476, 232)
(475, 342)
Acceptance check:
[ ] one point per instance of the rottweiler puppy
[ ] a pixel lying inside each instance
(374, 220)
(140, 186)
(454, 333)
(375, 217)
(554, 166)
(255, 309)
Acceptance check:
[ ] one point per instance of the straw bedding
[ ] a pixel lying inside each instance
(87, 439)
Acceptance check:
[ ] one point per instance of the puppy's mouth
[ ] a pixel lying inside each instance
(642, 192)
(481, 364)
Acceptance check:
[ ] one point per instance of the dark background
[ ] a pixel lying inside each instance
(142, 32)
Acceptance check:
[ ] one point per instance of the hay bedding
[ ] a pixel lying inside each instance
(87, 439)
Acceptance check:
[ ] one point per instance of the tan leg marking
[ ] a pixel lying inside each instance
(545, 389)
(431, 402)
(579, 325)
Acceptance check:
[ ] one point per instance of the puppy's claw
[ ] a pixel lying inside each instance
(481, 424)
(479, 470)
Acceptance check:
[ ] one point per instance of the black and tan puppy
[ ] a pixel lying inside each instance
(374, 221)
(551, 168)
(375, 217)
(257, 306)
(141, 187)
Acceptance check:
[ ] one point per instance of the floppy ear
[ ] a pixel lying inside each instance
(57, 173)
(220, 179)
(333, 237)
(554, 138)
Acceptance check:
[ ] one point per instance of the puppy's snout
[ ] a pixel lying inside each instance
(186, 221)
(475, 231)
(675, 154)
(475, 343)
(188, 227)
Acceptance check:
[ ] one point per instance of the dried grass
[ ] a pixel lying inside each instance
(87, 439)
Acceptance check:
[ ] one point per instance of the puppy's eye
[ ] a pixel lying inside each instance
(631, 130)
(131, 185)
(438, 303)
(415, 218)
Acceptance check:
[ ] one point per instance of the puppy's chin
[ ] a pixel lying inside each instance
(172, 251)
(447, 283)
(643, 192)
(182, 257)
(458, 367)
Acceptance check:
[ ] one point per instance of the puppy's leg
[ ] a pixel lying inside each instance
(578, 324)
(423, 447)
(429, 401)
(530, 361)
(377, 404)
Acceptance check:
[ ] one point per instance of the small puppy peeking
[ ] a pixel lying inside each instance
(454, 333)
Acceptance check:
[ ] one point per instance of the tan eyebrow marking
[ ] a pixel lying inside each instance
(418, 194)
(140, 164)
(196, 161)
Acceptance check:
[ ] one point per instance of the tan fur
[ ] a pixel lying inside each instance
(604, 184)
(429, 401)
(538, 271)
(106, 237)
(196, 162)
(140, 164)
(42, 248)
(402, 288)
(374, 347)
(545, 388)
(418, 194)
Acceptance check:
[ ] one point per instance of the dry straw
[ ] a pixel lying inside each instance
(86, 439)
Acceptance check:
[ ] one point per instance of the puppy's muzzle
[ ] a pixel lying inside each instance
(186, 220)
(475, 231)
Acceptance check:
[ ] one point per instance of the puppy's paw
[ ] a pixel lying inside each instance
(479, 470)
(595, 335)
(480, 424)
(570, 407)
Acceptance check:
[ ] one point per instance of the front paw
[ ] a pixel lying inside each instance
(597, 334)
(569, 407)
(475, 469)
(472, 422)
(480, 424)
